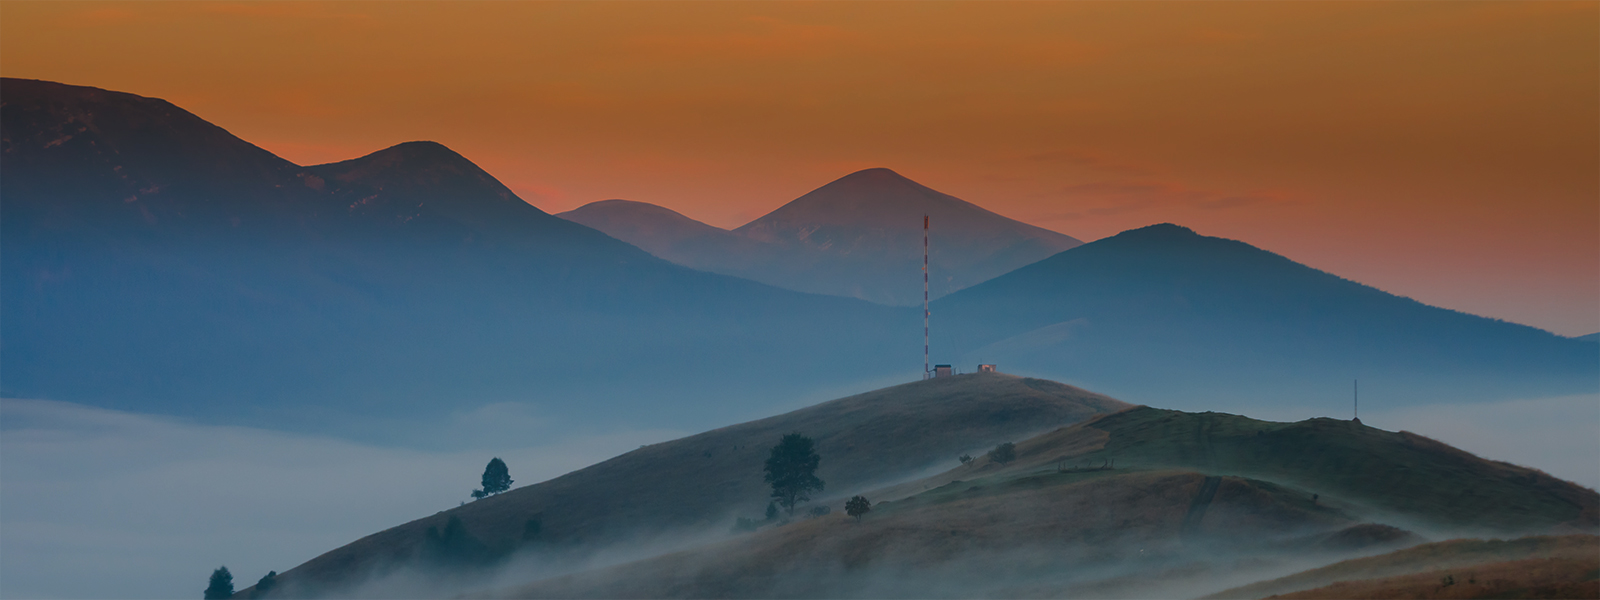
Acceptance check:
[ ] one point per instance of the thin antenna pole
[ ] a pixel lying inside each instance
(1357, 388)
(925, 365)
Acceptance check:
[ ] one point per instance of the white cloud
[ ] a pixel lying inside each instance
(103, 504)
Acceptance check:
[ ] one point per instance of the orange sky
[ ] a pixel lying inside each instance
(1445, 151)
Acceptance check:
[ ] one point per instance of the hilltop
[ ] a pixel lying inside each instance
(703, 482)
(1092, 506)
(1138, 503)
(859, 236)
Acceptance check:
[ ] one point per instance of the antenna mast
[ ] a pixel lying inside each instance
(1356, 387)
(925, 369)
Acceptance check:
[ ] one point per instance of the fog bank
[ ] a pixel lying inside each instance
(98, 503)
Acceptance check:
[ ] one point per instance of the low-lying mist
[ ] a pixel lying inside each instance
(106, 504)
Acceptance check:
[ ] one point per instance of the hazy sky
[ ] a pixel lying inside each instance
(1445, 151)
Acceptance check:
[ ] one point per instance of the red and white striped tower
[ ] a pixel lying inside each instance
(926, 370)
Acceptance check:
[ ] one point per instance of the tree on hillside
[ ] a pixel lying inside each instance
(496, 479)
(857, 507)
(221, 584)
(965, 459)
(1003, 453)
(265, 585)
(792, 471)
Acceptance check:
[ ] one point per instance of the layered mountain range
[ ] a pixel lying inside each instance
(860, 236)
(152, 261)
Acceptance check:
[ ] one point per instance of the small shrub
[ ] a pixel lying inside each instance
(265, 585)
(819, 511)
(965, 459)
(1003, 453)
(742, 525)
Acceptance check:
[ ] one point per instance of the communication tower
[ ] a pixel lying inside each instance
(927, 370)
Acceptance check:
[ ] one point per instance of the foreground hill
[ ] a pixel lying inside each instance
(1532, 567)
(858, 236)
(1223, 321)
(703, 482)
(1139, 503)
(154, 262)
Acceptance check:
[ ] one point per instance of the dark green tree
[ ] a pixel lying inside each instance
(792, 471)
(221, 584)
(857, 507)
(265, 585)
(1003, 453)
(496, 479)
(772, 510)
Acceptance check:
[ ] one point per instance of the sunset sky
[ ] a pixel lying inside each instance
(1445, 151)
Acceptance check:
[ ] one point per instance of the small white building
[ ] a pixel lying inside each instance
(986, 369)
(942, 371)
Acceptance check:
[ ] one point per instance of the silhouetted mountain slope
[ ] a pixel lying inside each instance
(154, 262)
(1218, 318)
(704, 481)
(867, 227)
(859, 236)
(1593, 337)
(685, 241)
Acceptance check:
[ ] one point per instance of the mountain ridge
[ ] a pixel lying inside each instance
(858, 236)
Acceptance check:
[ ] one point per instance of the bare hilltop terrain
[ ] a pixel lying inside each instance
(1099, 499)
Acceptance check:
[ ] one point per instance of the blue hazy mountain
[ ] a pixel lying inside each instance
(859, 236)
(1162, 313)
(153, 261)
(1593, 337)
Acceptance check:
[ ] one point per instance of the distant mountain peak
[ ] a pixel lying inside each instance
(419, 156)
(1162, 230)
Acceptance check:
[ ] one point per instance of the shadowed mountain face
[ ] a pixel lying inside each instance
(154, 262)
(859, 236)
(1221, 320)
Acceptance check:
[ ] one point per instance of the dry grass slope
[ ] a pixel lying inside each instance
(1529, 567)
(705, 480)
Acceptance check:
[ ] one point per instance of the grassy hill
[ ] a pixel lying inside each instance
(1530, 567)
(975, 539)
(1395, 477)
(1110, 506)
(703, 482)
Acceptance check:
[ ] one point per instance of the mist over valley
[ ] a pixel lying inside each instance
(215, 355)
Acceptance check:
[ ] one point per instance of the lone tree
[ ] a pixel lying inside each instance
(1003, 453)
(792, 471)
(267, 582)
(857, 507)
(965, 458)
(221, 585)
(496, 479)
